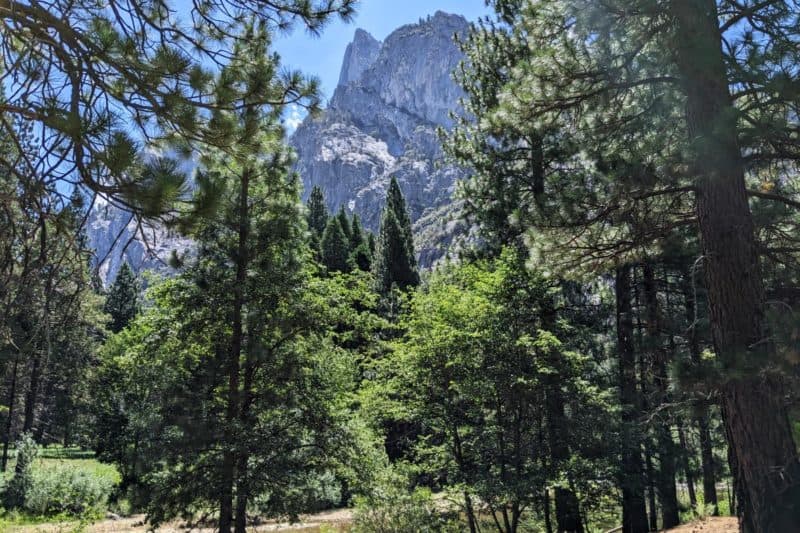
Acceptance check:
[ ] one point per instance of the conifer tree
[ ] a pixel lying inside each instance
(396, 202)
(344, 222)
(360, 253)
(122, 301)
(356, 233)
(124, 65)
(395, 262)
(317, 215)
(241, 308)
(335, 247)
(653, 117)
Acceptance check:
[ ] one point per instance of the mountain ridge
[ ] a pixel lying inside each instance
(381, 121)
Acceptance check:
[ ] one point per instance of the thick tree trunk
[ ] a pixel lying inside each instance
(756, 417)
(242, 473)
(242, 494)
(665, 479)
(548, 526)
(568, 514)
(634, 513)
(231, 457)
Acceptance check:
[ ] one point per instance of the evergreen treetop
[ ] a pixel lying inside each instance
(122, 301)
(317, 215)
(344, 222)
(335, 247)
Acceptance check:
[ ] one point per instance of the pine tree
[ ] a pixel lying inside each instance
(344, 222)
(121, 59)
(356, 233)
(394, 263)
(649, 121)
(396, 202)
(122, 301)
(360, 253)
(317, 215)
(335, 247)
(242, 312)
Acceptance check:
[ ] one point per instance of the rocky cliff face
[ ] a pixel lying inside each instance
(116, 238)
(382, 121)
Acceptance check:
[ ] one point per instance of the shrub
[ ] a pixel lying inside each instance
(20, 485)
(62, 488)
(394, 510)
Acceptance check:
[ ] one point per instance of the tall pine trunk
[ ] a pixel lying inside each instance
(707, 461)
(568, 512)
(755, 414)
(665, 479)
(242, 472)
(230, 457)
(652, 508)
(702, 409)
(634, 513)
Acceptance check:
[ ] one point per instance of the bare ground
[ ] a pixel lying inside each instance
(338, 519)
(712, 524)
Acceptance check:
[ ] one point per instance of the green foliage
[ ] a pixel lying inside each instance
(335, 247)
(122, 299)
(137, 367)
(65, 489)
(361, 258)
(50, 483)
(344, 222)
(135, 72)
(317, 214)
(395, 262)
(392, 507)
(21, 485)
(476, 369)
(360, 253)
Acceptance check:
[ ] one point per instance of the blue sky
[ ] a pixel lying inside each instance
(322, 56)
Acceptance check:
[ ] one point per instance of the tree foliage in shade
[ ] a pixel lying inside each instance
(122, 299)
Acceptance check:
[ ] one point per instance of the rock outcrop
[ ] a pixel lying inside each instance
(382, 121)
